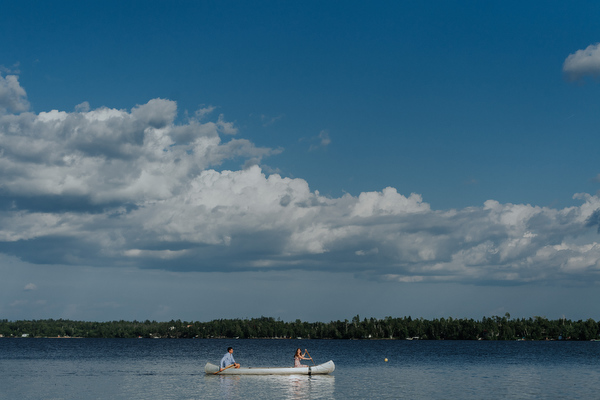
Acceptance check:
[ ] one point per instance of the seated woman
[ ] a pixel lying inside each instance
(299, 356)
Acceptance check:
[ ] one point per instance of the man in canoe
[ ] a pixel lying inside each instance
(227, 361)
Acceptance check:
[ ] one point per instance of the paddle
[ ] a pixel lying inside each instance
(310, 356)
(229, 366)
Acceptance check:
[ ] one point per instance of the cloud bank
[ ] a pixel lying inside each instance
(106, 187)
(583, 63)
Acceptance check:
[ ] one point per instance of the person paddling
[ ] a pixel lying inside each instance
(298, 357)
(227, 361)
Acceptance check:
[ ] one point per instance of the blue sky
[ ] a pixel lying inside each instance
(310, 160)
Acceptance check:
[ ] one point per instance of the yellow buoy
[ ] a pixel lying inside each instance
(385, 360)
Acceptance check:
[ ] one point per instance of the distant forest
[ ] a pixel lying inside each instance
(488, 328)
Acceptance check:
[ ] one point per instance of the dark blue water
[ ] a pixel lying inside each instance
(174, 369)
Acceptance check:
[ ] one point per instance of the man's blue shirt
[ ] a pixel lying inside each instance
(227, 360)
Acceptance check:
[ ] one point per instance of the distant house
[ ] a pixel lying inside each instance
(25, 335)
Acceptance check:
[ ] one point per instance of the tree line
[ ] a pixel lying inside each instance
(488, 328)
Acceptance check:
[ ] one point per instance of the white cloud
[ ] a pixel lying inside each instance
(268, 121)
(204, 112)
(12, 96)
(387, 202)
(583, 63)
(110, 155)
(30, 287)
(132, 188)
(323, 140)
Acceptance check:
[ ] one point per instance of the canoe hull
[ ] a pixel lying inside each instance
(320, 369)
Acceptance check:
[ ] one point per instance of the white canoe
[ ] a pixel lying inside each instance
(321, 369)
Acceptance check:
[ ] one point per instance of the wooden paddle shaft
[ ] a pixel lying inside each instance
(229, 366)
(310, 356)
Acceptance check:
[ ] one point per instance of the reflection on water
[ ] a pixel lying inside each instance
(310, 387)
(292, 387)
(229, 386)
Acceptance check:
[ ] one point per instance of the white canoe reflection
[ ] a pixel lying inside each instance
(280, 386)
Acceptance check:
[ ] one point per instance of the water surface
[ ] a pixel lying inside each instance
(174, 369)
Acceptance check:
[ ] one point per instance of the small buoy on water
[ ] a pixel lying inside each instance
(385, 360)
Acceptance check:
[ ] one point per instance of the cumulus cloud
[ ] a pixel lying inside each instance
(13, 97)
(583, 63)
(106, 156)
(108, 187)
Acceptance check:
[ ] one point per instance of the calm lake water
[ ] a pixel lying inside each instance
(174, 369)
